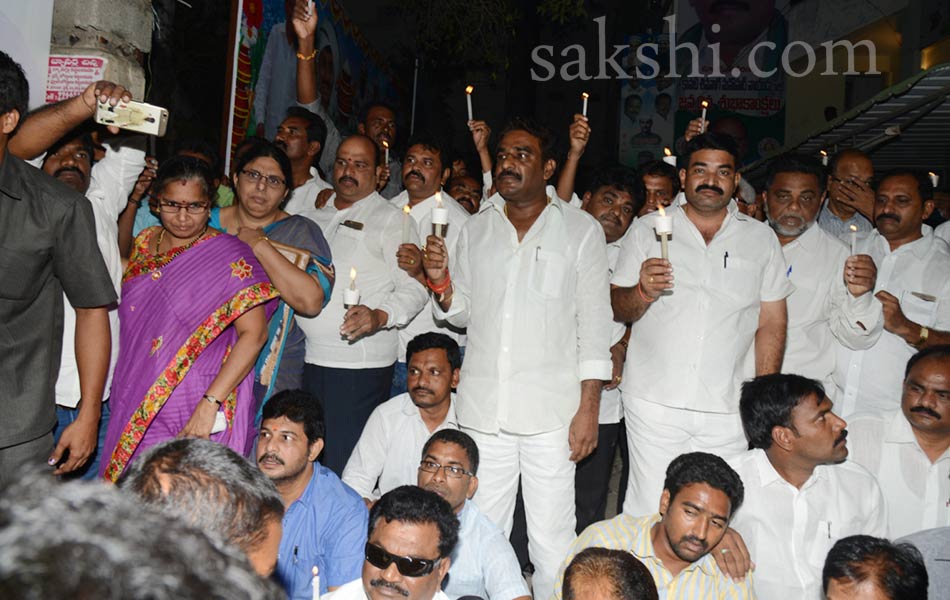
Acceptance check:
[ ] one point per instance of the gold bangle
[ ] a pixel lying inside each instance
(309, 56)
(255, 242)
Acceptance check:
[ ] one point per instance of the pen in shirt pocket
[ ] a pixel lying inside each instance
(725, 260)
(295, 553)
(537, 253)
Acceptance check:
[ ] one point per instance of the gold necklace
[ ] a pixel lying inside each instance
(161, 237)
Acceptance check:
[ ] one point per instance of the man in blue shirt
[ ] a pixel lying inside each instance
(483, 562)
(325, 521)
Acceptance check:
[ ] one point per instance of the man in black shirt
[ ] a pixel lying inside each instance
(47, 247)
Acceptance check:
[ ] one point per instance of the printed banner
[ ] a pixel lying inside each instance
(70, 75)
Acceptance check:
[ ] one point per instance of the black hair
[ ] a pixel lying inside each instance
(460, 439)
(185, 168)
(624, 179)
(432, 340)
(300, 407)
(658, 168)
(712, 141)
(941, 351)
(266, 149)
(767, 402)
(797, 163)
(624, 576)
(833, 163)
(925, 186)
(701, 467)
(202, 147)
(316, 126)
(432, 143)
(207, 485)
(14, 88)
(412, 504)
(81, 134)
(543, 134)
(897, 570)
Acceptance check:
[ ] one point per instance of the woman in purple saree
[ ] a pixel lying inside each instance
(193, 320)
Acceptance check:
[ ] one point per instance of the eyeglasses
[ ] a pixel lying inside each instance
(406, 565)
(271, 181)
(192, 208)
(867, 183)
(449, 470)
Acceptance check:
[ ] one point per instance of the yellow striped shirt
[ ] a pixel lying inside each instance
(701, 580)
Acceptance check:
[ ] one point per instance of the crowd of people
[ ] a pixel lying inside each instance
(344, 382)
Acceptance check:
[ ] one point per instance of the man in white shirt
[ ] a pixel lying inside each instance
(351, 350)
(483, 563)
(908, 450)
(728, 300)
(798, 499)
(301, 136)
(529, 280)
(913, 286)
(412, 533)
(59, 130)
(387, 454)
(833, 297)
(424, 172)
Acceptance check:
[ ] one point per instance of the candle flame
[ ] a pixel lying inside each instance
(315, 571)
(662, 212)
(585, 95)
(704, 104)
(667, 152)
(932, 174)
(406, 209)
(854, 229)
(469, 89)
(823, 153)
(385, 144)
(352, 274)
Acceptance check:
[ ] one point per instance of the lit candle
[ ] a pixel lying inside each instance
(702, 123)
(824, 158)
(440, 217)
(385, 152)
(584, 96)
(468, 99)
(854, 239)
(406, 223)
(664, 227)
(669, 158)
(934, 178)
(351, 295)
(315, 583)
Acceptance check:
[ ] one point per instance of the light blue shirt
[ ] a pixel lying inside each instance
(830, 222)
(483, 562)
(324, 528)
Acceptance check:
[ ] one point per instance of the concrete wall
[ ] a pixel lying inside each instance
(119, 30)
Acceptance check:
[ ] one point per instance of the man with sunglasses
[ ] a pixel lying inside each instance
(483, 564)
(412, 533)
(850, 200)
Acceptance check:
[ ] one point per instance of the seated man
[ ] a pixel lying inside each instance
(483, 563)
(908, 450)
(214, 489)
(325, 520)
(412, 533)
(799, 500)
(862, 567)
(601, 574)
(387, 454)
(700, 494)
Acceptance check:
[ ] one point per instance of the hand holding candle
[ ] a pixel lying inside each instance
(664, 227)
(468, 99)
(584, 96)
(351, 295)
(440, 217)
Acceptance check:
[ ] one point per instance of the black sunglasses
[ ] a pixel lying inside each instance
(406, 565)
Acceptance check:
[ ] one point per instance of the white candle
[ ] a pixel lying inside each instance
(854, 239)
(406, 223)
(351, 295)
(824, 158)
(669, 158)
(440, 216)
(385, 153)
(468, 100)
(664, 227)
(934, 179)
(584, 96)
(702, 123)
(315, 583)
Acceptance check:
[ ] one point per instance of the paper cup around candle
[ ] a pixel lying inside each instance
(351, 297)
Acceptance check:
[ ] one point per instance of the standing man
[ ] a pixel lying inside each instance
(728, 299)
(301, 136)
(529, 281)
(913, 287)
(833, 301)
(661, 183)
(49, 247)
(850, 194)
(351, 351)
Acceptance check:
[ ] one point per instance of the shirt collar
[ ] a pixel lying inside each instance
(898, 430)
(921, 247)
(10, 182)
(768, 475)
(808, 240)
(645, 548)
(410, 409)
(498, 203)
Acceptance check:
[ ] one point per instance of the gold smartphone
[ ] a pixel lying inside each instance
(134, 116)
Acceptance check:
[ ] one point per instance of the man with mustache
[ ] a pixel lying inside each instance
(800, 494)
(424, 172)
(701, 494)
(64, 132)
(352, 350)
(913, 287)
(728, 299)
(483, 562)
(833, 301)
(412, 533)
(387, 453)
(467, 191)
(529, 281)
(324, 523)
(301, 135)
(909, 450)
